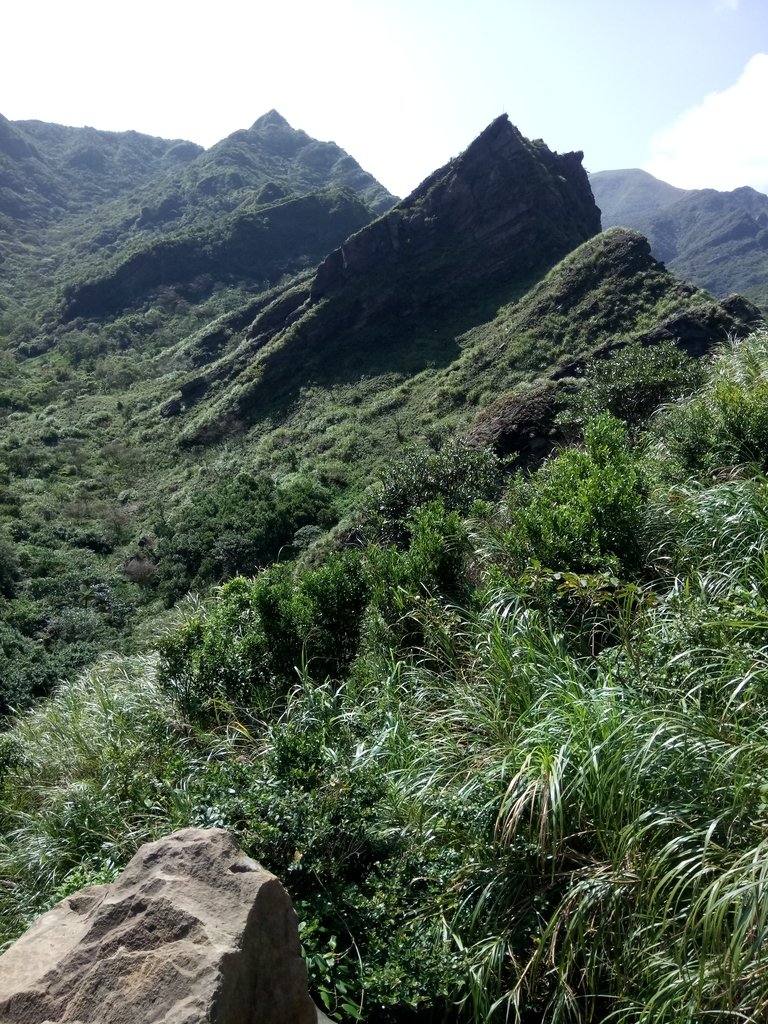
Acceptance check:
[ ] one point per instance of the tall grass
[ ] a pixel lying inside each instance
(623, 871)
(97, 769)
(494, 815)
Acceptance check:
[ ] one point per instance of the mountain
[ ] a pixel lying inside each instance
(75, 200)
(456, 706)
(263, 357)
(49, 170)
(631, 196)
(718, 240)
(472, 235)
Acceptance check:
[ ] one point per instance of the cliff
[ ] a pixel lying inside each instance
(476, 233)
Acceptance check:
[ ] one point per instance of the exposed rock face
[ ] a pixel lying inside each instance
(522, 425)
(193, 931)
(516, 204)
(480, 230)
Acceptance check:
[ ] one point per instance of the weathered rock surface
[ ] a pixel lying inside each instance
(507, 207)
(192, 931)
(479, 230)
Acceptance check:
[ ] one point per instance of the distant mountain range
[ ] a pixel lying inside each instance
(717, 240)
(77, 205)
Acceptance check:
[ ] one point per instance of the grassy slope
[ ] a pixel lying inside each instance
(547, 799)
(175, 229)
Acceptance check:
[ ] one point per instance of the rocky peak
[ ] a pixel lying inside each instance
(505, 209)
(271, 119)
(480, 230)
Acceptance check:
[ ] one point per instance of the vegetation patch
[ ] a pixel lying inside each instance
(506, 753)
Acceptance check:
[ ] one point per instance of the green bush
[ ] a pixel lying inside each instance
(245, 650)
(236, 526)
(583, 510)
(458, 474)
(632, 383)
(429, 568)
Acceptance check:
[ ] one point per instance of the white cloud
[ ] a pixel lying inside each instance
(726, 5)
(721, 143)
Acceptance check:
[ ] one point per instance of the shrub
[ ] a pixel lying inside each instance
(429, 569)
(632, 383)
(583, 510)
(458, 474)
(235, 527)
(246, 648)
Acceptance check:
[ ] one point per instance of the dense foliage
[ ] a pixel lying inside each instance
(236, 526)
(507, 753)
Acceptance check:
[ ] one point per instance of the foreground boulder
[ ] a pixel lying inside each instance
(192, 931)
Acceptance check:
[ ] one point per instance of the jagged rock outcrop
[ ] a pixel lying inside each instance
(477, 232)
(192, 931)
(522, 425)
(514, 204)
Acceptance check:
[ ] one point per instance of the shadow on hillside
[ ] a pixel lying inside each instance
(402, 343)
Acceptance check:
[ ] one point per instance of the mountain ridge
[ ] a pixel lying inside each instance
(718, 240)
(453, 236)
(75, 199)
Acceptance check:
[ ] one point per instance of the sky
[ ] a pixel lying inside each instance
(678, 87)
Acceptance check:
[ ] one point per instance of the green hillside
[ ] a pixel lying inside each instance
(420, 545)
(506, 752)
(73, 200)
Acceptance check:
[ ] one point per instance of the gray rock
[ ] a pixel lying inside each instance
(192, 931)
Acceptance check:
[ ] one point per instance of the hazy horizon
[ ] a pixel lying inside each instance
(679, 92)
